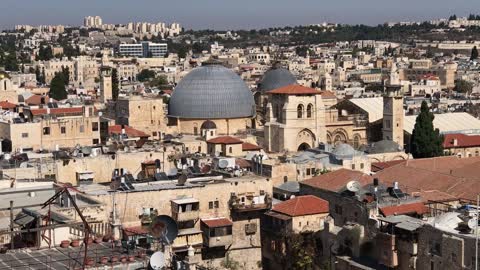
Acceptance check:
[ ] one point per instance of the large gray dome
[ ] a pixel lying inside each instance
(211, 92)
(276, 78)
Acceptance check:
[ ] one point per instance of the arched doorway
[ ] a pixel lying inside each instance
(303, 147)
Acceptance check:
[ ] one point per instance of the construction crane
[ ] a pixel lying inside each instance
(87, 230)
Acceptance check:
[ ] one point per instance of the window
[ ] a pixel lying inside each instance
(95, 126)
(309, 110)
(361, 165)
(46, 131)
(82, 128)
(211, 133)
(230, 150)
(353, 166)
(387, 123)
(24, 135)
(300, 111)
(308, 171)
(95, 141)
(199, 149)
(195, 130)
(154, 133)
(213, 204)
(63, 130)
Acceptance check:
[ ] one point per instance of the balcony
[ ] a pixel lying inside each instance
(185, 209)
(217, 232)
(250, 202)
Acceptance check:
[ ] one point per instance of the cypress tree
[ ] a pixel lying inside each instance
(474, 54)
(115, 84)
(426, 141)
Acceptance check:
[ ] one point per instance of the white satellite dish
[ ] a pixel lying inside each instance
(353, 186)
(223, 163)
(157, 261)
(472, 223)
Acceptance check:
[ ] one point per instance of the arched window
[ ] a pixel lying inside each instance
(309, 110)
(356, 141)
(230, 150)
(300, 111)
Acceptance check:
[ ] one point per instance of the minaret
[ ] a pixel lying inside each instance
(393, 114)
(105, 84)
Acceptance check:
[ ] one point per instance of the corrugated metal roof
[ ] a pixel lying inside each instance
(460, 122)
(373, 106)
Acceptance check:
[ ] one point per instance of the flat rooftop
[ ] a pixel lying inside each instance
(66, 258)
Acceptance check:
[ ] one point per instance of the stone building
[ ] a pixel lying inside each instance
(462, 145)
(143, 113)
(393, 115)
(7, 92)
(219, 218)
(301, 216)
(51, 128)
(211, 92)
(105, 85)
(295, 119)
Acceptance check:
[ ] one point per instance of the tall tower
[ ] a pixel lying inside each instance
(393, 114)
(105, 84)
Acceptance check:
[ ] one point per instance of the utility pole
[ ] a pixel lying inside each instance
(12, 236)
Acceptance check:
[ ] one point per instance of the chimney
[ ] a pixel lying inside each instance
(455, 142)
(395, 185)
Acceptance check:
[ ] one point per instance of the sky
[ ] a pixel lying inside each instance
(230, 14)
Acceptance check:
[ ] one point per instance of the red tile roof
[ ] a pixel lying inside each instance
(462, 140)
(336, 180)
(328, 95)
(243, 163)
(131, 132)
(458, 177)
(137, 230)
(37, 100)
(7, 105)
(250, 147)
(302, 206)
(58, 111)
(294, 89)
(378, 166)
(225, 140)
(402, 209)
(217, 222)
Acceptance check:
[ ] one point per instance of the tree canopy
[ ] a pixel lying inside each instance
(115, 84)
(462, 86)
(58, 90)
(145, 75)
(426, 141)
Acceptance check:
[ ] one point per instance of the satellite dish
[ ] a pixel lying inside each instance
(164, 228)
(157, 261)
(223, 163)
(353, 186)
(172, 172)
(472, 223)
(182, 179)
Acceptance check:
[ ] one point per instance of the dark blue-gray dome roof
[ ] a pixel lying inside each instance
(384, 146)
(275, 78)
(211, 92)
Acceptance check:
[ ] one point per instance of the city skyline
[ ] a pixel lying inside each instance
(220, 15)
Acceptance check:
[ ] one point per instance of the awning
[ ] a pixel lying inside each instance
(217, 222)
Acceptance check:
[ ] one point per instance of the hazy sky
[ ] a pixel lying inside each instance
(230, 14)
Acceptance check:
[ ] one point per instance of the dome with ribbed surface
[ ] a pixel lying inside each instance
(275, 78)
(211, 92)
(384, 146)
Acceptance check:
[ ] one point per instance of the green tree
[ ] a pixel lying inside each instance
(462, 86)
(145, 75)
(115, 84)
(426, 141)
(474, 54)
(45, 52)
(160, 81)
(66, 74)
(57, 87)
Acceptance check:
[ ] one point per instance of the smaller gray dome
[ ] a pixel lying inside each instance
(343, 150)
(384, 146)
(275, 78)
(208, 125)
